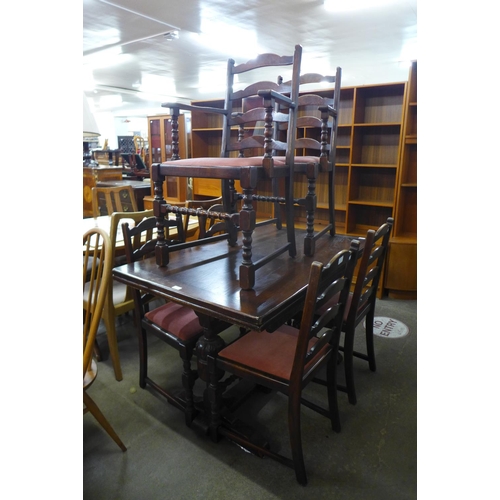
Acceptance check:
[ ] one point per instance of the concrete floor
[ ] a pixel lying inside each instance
(374, 457)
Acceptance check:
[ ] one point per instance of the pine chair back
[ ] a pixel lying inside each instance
(97, 266)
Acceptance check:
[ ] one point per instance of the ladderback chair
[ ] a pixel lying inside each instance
(287, 359)
(246, 159)
(106, 200)
(97, 266)
(202, 205)
(361, 303)
(172, 323)
(119, 298)
(316, 145)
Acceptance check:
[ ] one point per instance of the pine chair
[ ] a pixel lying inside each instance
(119, 299)
(97, 258)
(361, 303)
(253, 165)
(172, 323)
(106, 200)
(287, 359)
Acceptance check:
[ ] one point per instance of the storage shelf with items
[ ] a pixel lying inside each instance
(401, 270)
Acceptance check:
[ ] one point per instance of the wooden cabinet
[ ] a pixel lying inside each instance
(107, 157)
(160, 150)
(93, 175)
(401, 271)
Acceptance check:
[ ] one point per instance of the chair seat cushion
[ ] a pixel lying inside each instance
(305, 160)
(271, 353)
(251, 161)
(177, 320)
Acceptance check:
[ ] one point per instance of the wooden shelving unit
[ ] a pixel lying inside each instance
(401, 271)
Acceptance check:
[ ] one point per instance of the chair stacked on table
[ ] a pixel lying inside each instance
(254, 163)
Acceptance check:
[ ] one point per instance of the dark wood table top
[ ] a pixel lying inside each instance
(206, 278)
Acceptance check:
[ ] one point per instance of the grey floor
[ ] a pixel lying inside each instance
(374, 457)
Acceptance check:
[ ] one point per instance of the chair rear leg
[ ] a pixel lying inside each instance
(94, 409)
(143, 356)
(331, 384)
(370, 348)
(348, 366)
(296, 438)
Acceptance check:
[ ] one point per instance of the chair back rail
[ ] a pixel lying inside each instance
(106, 200)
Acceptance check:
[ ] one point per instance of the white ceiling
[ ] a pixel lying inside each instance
(127, 54)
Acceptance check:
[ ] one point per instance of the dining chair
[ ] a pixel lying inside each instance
(97, 259)
(287, 359)
(106, 200)
(119, 299)
(248, 159)
(361, 304)
(201, 205)
(315, 145)
(172, 323)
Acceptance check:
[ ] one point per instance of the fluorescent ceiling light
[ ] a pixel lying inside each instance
(214, 34)
(346, 6)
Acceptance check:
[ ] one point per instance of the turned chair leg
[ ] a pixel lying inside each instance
(188, 380)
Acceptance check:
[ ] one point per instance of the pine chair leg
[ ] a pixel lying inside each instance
(94, 409)
(109, 321)
(370, 348)
(296, 438)
(348, 366)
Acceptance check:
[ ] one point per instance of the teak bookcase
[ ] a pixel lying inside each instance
(401, 270)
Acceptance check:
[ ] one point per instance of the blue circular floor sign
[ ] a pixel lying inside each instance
(389, 327)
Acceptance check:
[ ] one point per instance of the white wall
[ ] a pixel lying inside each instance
(111, 127)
